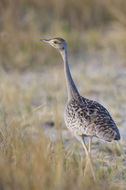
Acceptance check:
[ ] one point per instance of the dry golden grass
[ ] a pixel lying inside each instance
(29, 159)
(36, 151)
(84, 24)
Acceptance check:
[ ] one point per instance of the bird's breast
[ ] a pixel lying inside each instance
(75, 118)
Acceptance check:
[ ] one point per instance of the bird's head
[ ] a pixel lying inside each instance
(57, 43)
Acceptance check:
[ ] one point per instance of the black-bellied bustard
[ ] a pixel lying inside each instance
(84, 117)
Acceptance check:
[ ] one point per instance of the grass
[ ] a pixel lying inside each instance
(27, 162)
(29, 159)
(85, 25)
(36, 151)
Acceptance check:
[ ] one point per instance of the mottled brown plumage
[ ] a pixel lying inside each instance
(89, 118)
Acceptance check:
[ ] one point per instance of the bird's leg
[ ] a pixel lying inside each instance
(90, 159)
(88, 155)
(89, 165)
(84, 146)
(90, 143)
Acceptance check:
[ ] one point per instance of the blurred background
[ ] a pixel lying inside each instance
(33, 91)
(85, 24)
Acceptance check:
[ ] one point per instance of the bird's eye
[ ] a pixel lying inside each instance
(55, 42)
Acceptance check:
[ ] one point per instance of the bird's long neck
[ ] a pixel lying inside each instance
(71, 87)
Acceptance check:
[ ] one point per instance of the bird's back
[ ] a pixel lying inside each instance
(89, 118)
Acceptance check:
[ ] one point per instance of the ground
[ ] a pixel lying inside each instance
(36, 150)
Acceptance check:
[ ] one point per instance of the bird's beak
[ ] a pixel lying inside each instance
(45, 40)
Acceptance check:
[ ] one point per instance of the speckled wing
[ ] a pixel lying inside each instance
(100, 121)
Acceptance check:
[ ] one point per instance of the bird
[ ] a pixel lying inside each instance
(84, 117)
